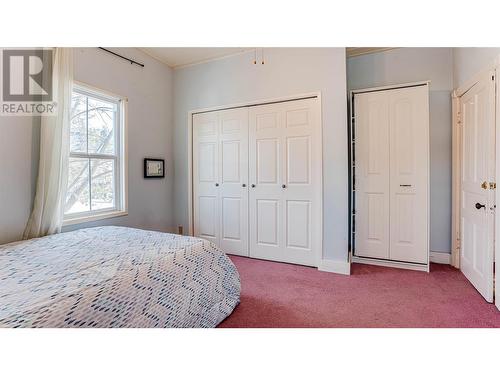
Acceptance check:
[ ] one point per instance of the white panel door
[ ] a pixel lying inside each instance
(206, 176)
(233, 188)
(265, 178)
(301, 181)
(409, 179)
(477, 113)
(220, 173)
(285, 177)
(372, 174)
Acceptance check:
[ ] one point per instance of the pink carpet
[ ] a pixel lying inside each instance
(282, 295)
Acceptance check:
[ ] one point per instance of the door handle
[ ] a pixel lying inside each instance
(253, 185)
(484, 185)
(244, 185)
(405, 185)
(479, 206)
(217, 184)
(283, 186)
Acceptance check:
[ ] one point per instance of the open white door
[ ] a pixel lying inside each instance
(477, 202)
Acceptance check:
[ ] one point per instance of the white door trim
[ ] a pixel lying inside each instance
(316, 94)
(496, 250)
(455, 182)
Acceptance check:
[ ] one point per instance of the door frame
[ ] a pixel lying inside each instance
(456, 160)
(308, 95)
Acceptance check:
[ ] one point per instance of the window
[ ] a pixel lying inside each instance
(96, 187)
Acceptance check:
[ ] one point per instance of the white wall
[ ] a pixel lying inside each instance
(149, 91)
(287, 71)
(469, 61)
(410, 65)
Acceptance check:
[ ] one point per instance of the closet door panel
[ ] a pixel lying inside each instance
(372, 174)
(206, 176)
(409, 116)
(267, 221)
(265, 195)
(301, 176)
(233, 189)
(207, 218)
(298, 224)
(298, 160)
(268, 168)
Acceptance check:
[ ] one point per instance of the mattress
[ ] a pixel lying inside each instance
(116, 277)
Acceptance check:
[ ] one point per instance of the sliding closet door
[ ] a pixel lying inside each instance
(372, 174)
(265, 172)
(409, 148)
(220, 173)
(391, 137)
(302, 163)
(233, 188)
(285, 177)
(206, 176)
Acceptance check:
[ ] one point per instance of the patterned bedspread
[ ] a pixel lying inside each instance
(116, 277)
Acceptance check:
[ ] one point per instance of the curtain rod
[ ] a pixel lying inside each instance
(123, 57)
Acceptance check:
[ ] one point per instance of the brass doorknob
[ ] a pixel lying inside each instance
(484, 185)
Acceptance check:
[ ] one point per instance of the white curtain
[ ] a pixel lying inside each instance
(48, 209)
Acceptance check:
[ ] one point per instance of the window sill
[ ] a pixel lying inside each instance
(87, 219)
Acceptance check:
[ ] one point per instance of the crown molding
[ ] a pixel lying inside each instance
(358, 51)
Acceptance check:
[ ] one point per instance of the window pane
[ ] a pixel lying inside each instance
(78, 129)
(77, 196)
(101, 127)
(103, 184)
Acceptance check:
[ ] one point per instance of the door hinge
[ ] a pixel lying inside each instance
(493, 78)
(459, 118)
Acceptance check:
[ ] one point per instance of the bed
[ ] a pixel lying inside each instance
(116, 277)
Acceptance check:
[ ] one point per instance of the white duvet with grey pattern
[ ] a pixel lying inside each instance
(116, 277)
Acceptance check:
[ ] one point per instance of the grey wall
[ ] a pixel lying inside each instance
(469, 61)
(19, 149)
(149, 91)
(287, 71)
(410, 65)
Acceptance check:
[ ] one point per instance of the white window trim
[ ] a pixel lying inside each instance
(122, 172)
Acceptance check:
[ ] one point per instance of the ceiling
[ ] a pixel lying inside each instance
(176, 57)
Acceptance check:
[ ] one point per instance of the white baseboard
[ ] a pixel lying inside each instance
(335, 266)
(438, 257)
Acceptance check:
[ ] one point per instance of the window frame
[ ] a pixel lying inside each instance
(119, 157)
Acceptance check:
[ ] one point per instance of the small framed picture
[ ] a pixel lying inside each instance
(154, 168)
